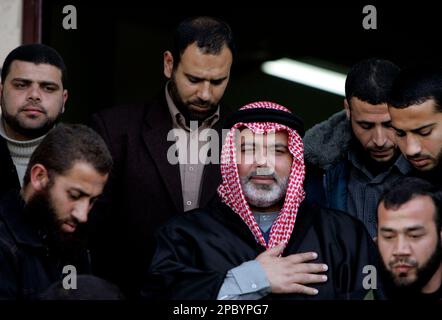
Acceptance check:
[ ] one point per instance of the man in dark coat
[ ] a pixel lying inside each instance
(356, 149)
(154, 177)
(409, 241)
(263, 241)
(32, 97)
(41, 238)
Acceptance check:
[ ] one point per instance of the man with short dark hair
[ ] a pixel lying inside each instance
(33, 93)
(415, 107)
(409, 240)
(162, 164)
(355, 149)
(41, 226)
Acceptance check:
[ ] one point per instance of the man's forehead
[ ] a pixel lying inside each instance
(414, 116)
(197, 63)
(34, 71)
(418, 211)
(364, 111)
(247, 134)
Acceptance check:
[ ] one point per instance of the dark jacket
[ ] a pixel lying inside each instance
(143, 191)
(326, 146)
(8, 174)
(28, 266)
(196, 250)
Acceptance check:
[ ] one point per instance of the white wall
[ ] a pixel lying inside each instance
(10, 26)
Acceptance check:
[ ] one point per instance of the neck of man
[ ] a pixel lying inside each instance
(26, 192)
(373, 166)
(15, 136)
(434, 175)
(11, 134)
(435, 282)
(277, 207)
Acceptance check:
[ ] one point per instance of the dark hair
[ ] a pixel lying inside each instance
(66, 144)
(210, 35)
(415, 85)
(37, 54)
(370, 80)
(406, 189)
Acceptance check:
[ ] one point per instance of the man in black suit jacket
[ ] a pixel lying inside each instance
(155, 178)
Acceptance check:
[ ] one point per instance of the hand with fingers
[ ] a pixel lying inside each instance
(293, 273)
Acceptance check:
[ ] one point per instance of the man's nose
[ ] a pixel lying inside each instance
(379, 137)
(205, 91)
(402, 247)
(81, 211)
(413, 146)
(34, 93)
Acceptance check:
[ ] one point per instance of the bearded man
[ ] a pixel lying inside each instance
(262, 240)
(41, 224)
(409, 241)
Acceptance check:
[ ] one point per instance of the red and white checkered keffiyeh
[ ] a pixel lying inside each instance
(230, 189)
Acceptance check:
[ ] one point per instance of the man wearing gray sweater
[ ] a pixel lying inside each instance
(32, 97)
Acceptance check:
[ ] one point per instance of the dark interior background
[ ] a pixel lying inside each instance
(115, 55)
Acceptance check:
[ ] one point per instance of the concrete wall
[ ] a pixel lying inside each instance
(10, 26)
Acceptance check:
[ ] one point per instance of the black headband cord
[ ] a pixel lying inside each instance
(265, 115)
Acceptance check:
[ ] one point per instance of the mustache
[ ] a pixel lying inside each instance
(383, 148)
(72, 221)
(262, 172)
(403, 261)
(417, 157)
(32, 105)
(201, 103)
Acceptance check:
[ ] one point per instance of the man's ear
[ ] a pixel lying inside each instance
(347, 109)
(39, 177)
(168, 64)
(65, 97)
(375, 239)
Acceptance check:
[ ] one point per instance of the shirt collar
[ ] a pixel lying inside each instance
(401, 163)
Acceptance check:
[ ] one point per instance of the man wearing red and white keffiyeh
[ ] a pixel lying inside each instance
(262, 169)
(263, 240)
(234, 193)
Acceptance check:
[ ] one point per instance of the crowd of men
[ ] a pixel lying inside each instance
(140, 203)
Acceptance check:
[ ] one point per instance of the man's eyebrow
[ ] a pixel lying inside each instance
(202, 79)
(407, 229)
(364, 122)
(414, 228)
(387, 229)
(44, 82)
(416, 129)
(80, 191)
(51, 83)
(192, 76)
(423, 127)
(278, 145)
(22, 80)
